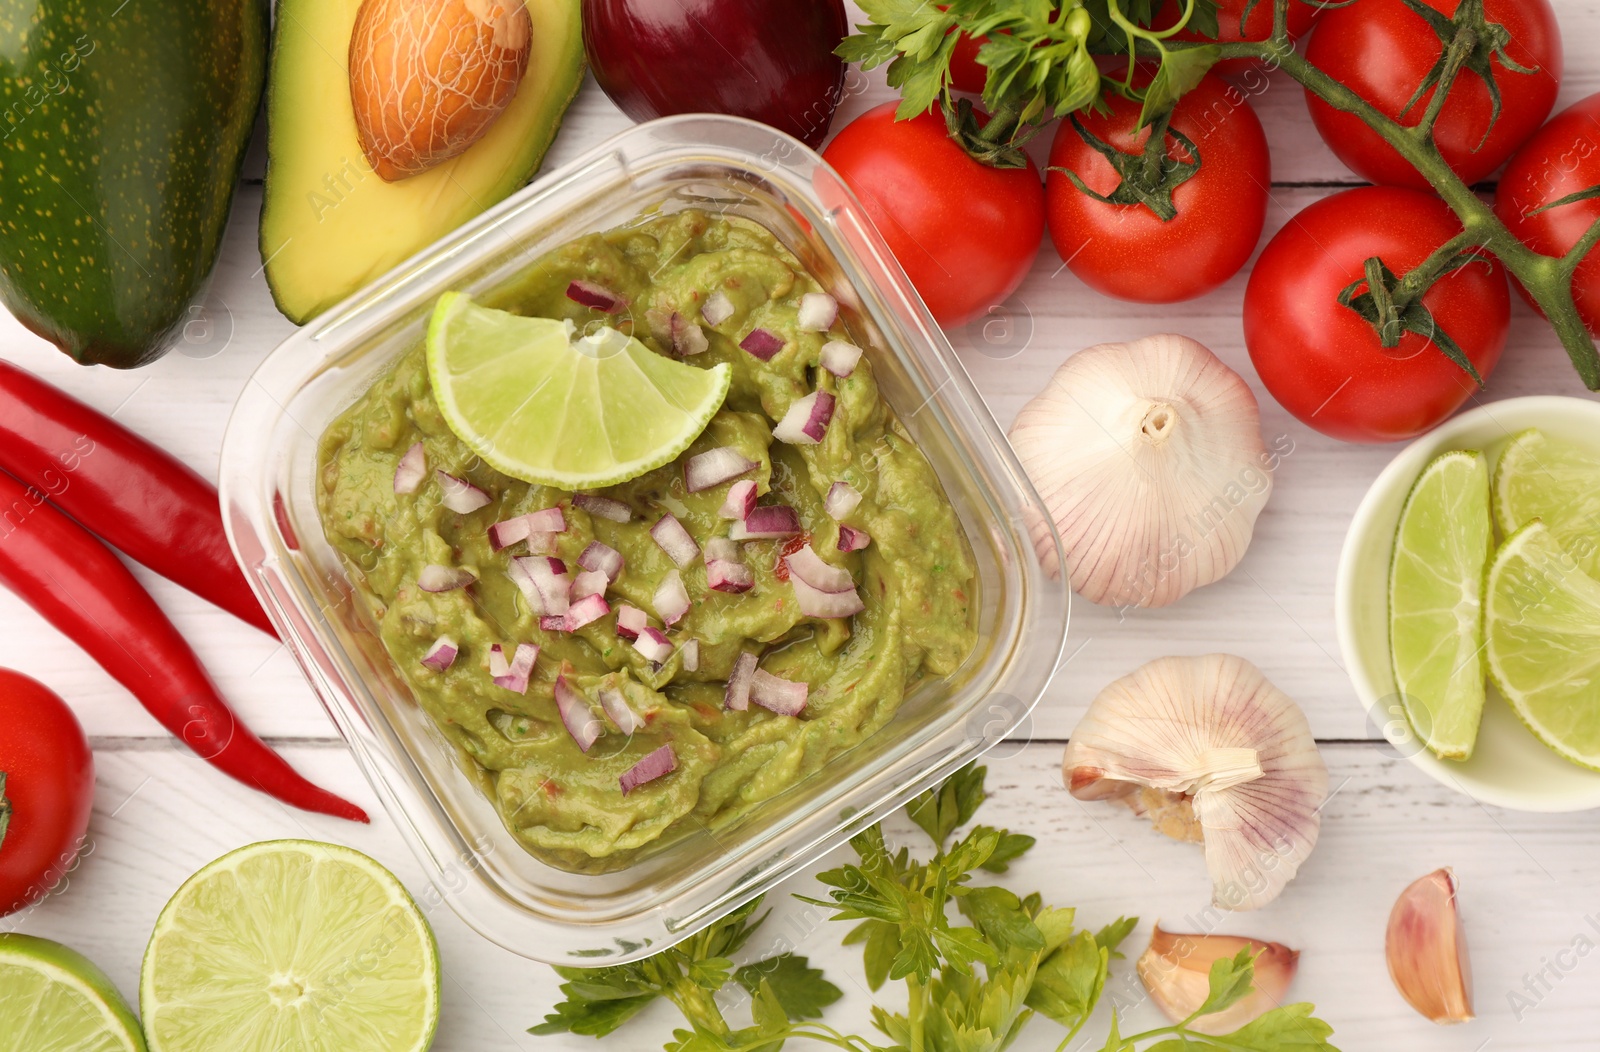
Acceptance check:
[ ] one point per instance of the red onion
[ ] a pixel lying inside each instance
(661, 762)
(737, 696)
(817, 312)
(589, 294)
(814, 602)
(435, 578)
(554, 623)
(589, 582)
(411, 470)
(602, 558)
(806, 421)
(852, 539)
(691, 655)
(811, 568)
(544, 543)
(442, 654)
(767, 523)
(714, 467)
(631, 621)
(513, 676)
(718, 309)
(503, 535)
(671, 599)
(675, 540)
(615, 705)
(603, 507)
(545, 583)
(725, 576)
(576, 715)
(547, 520)
(654, 645)
(684, 337)
(741, 499)
(461, 496)
(841, 500)
(723, 549)
(840, 358)
(585, 611)
(762, 343)
(778, 695)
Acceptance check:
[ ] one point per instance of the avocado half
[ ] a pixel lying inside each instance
(329, 225)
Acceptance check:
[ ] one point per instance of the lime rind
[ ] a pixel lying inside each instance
(53, 999)
(1557, 483)
(1436, 586)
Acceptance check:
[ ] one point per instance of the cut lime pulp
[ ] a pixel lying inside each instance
(53, 999)
(1557, 483)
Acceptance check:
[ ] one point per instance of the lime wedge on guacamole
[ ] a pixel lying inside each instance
(291, 944)
(1544, 641)
(1556, 482)
(1436, 602)
(53, 999)
(542, 406)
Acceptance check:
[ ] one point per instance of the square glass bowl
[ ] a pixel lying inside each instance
(269, 455)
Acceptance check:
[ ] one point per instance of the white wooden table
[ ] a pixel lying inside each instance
(1529, 882)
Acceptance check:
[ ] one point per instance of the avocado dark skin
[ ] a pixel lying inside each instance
(122, 129)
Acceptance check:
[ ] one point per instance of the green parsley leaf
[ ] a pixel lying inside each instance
(1291, 1027)
(1180, 71)
(1231, 979)
(1112, 934)
(798, 987)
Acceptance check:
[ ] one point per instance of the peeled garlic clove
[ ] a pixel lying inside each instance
(1427, 949)
(1176, 969)
(1238, 751)
(1150, 458)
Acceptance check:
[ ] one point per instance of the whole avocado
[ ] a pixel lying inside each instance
(123, 124)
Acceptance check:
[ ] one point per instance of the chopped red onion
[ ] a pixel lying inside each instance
(590, 294)
(631, 621)
(436, 578)
(411, 470)
(737, 696)
(589, 582)
(811, 568)
(817, 311)
(841, 500)
(615, 705)
(576, 715)
(806, 421)
(544, 543)
(671, 599)
(762, 343)
(767, 523)
(602, 558)
(724, 549)
(461, 496)
(814, 602)
(725, 576)
(547, 520)
(840, 358)
(691, 655)
(688, 339)
(852, 539)
(603, 507)
(714, 467)
(741, 499)
(661, 762)
(442, 654)
(670, 534)
(718, 309)
(554, 623)
(503, 535)
(654, 645)
(545, 583)
(513, 675)
(782, 696)
(585, 611)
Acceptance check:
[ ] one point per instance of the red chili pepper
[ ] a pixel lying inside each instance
(137, 497)
(79, 586)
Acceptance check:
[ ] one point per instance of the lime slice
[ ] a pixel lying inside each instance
(1544, 641)
(53, 999)
(1436, 602)
(291, 944)
(575, 414)
(1556, 482)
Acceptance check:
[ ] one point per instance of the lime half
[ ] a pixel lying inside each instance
(1436, 602)
(53, 999)
(1556, 482)
(291, 944)
(1544, 641)
(538, 405)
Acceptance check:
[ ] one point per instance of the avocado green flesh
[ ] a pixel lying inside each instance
(122, 129)
(917, 578)
(329, 225)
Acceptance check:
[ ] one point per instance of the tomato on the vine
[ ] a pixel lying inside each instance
(1234, 25)
(1383, 51)
(966, 72)
(966, 233)
(1561, 159)
(48, 790)
(1123, 247)
(1324, 362)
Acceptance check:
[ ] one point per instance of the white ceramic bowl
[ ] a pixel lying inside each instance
(1509, 767)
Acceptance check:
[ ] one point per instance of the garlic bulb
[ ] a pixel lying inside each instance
(1150, 458)
(1176, 969)
(1427, 950)
(1209, 734)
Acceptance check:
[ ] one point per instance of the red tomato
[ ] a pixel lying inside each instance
(965, 233)
(1229, 12)
(1127, 250)
(1324, 362)
(1561, 158)
(50, 785)
(1382, 50)
(966, 72)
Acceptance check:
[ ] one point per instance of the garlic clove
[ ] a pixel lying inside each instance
(1238, 751)
(1176, 970)
(1427, 949)
(1150, 458)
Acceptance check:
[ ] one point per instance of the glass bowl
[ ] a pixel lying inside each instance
(719, 164)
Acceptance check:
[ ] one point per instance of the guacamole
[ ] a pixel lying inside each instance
(915, 578)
